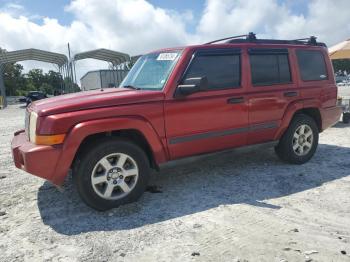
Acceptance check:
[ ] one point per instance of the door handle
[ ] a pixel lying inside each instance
(235, 100)
(290, 94)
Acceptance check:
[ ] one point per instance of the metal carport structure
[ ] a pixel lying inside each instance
(114, 58)
(32, 54)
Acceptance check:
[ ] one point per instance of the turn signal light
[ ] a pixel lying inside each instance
(49, 140)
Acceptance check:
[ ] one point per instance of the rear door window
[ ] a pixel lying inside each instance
(312, 65)
(269, 66)
(221, 67)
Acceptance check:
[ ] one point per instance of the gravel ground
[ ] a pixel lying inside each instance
(232, 206)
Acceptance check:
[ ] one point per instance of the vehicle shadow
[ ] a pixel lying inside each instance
(193, 186)
(341, 125)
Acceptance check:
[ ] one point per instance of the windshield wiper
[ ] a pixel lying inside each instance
(131, 87)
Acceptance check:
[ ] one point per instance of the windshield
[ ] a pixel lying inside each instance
(151, 71)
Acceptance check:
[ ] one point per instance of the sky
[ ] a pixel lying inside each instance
(139, 26)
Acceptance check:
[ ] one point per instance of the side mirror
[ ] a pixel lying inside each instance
(192, 85)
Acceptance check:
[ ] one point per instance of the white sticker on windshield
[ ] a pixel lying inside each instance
(167, 56)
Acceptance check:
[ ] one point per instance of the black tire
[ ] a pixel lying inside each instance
(92, 154)
(346, 118)
(28, 101)
(284, 149)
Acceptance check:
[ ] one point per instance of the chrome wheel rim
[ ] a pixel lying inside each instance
(114, 176)
(302, 140)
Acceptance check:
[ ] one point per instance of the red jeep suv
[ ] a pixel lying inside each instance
(181, 102)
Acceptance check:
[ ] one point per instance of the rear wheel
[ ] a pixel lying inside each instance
(111, 173)
(299, 142)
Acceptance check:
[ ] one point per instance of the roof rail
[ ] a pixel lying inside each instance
(310, 40)
(251, 38)
(251, 34)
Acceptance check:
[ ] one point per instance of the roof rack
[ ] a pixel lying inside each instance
(251, 38)
(311, 40)
(251, 35)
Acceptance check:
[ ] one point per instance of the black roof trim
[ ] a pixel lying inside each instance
(219, 51)
(274, 41)
(262, 51)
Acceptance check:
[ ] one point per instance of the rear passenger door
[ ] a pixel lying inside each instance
(270, 92)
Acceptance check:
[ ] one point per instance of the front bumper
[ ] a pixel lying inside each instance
(37, 160)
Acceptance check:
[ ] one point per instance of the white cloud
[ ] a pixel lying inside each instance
(133, 26)
(327, 19)
(14, 6)
(136, 26)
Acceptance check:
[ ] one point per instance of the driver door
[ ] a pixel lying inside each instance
(212, 119)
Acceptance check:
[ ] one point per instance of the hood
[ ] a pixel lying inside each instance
(93, 99)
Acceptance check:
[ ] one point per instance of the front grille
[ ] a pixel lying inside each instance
(26, 123)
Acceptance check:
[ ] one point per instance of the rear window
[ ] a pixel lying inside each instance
(221, 69)
(269, 67)
(312, 65)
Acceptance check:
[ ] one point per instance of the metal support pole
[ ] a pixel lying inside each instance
(75, 72)
(60, 70)
(68, 79)
(64, 77)
(2, 86)
(70, 69)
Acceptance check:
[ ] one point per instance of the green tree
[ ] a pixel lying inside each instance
(70, 87)
(47, 89)
(36, 77)
(341, 64)
(129, 64)
(13, 79)
(54, 76)
(55, 80)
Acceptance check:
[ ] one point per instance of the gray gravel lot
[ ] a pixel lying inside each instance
(232, 206)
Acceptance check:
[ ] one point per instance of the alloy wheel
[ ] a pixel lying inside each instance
(302, 140)
(114, 176)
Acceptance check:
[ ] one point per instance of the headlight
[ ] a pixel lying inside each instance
(42, 139)
(32, 126)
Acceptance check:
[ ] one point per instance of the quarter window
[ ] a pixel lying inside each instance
(312, 65)
(221, 69)
(269, 69)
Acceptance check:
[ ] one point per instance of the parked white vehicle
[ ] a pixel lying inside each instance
(344, 101)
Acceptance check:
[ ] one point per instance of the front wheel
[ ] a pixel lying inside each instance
(299, 142)
(110, 173)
